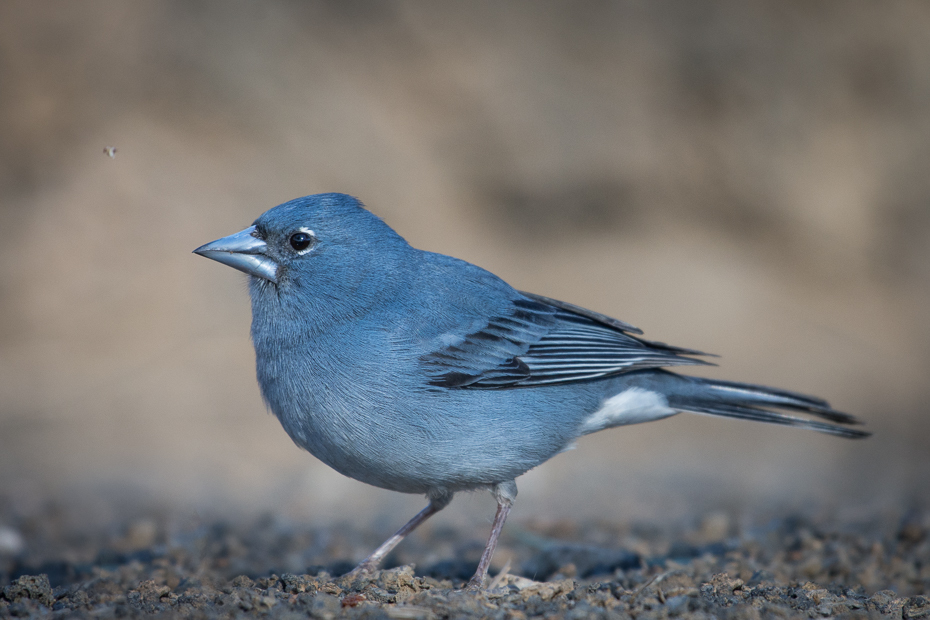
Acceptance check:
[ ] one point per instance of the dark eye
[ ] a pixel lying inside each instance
(301, 241)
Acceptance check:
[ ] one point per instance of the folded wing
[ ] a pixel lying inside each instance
(541, 341)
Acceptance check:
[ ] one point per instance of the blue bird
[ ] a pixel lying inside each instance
(421, 373)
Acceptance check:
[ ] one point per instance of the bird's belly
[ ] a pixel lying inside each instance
(453, 439)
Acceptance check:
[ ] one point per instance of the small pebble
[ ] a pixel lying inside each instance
(11, 541)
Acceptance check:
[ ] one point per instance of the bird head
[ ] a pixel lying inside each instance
(325, 250)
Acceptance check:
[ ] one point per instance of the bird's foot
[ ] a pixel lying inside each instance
(363, 572)
(476, 583)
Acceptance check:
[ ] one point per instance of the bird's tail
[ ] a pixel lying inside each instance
(745, 401)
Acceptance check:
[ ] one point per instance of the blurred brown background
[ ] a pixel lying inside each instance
(746, 178)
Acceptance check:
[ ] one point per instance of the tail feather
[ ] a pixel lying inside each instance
(744, 412)
(755, 402)
(748, 394)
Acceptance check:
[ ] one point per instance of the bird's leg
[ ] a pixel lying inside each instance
(437, 502)
(505, 493)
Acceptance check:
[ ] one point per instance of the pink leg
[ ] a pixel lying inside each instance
(370, 564)
(505, 494)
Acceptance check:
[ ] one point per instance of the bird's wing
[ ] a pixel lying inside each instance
(541, 341)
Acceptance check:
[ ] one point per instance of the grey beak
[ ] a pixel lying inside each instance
(242, 251)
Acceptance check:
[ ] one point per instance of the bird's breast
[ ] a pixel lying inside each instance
(369, 412)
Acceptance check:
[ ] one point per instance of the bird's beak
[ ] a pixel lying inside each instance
(243, 251)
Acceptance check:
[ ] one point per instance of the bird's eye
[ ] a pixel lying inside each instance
(301, 241)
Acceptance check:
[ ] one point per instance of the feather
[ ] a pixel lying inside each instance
(541, 341)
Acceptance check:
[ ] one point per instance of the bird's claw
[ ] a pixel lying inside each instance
(474, 585)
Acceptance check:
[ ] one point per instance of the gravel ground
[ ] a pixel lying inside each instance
(719, 566)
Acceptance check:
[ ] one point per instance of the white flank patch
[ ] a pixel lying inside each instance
(630, 406)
